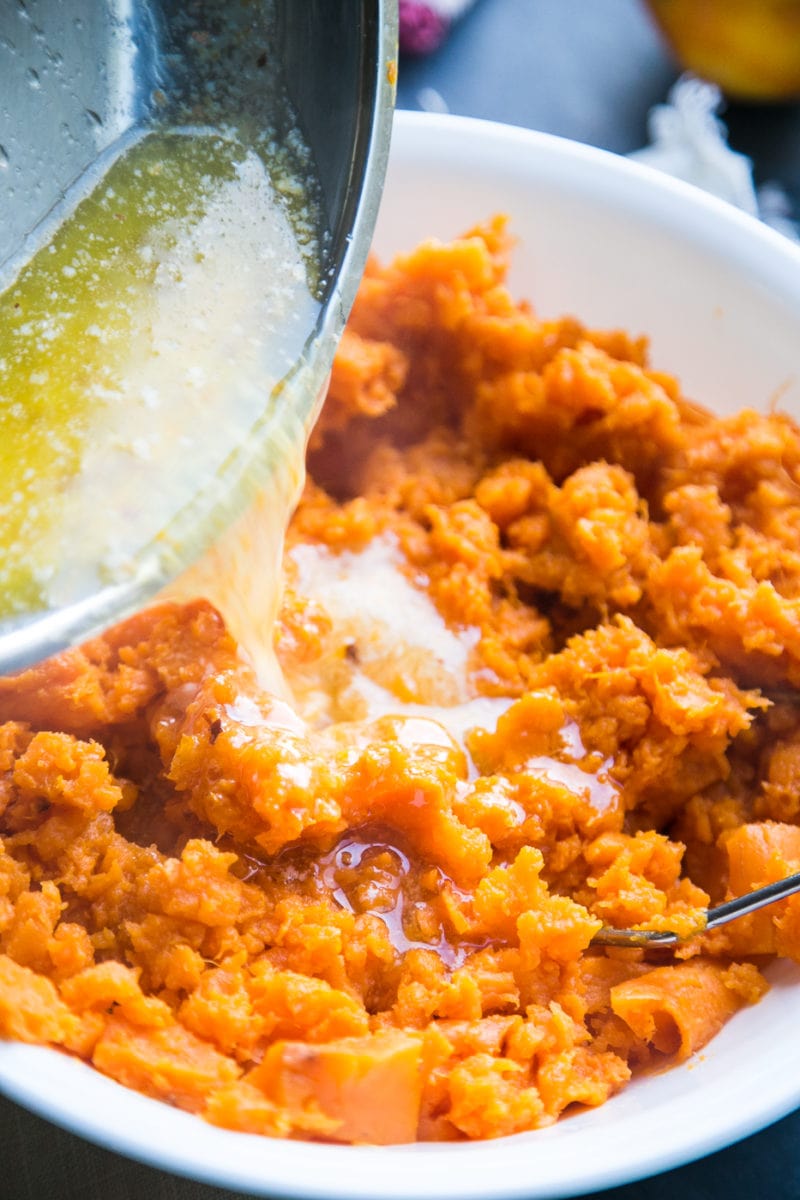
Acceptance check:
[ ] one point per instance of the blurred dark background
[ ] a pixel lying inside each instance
(584, 69)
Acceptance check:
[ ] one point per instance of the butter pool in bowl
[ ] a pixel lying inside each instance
(719, 299)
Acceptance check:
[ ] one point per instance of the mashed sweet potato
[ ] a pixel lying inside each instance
(541, 624)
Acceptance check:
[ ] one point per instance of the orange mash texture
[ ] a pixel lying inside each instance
(363, 923)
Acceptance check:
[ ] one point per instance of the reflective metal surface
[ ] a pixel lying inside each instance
(723, 914)
(78, 76)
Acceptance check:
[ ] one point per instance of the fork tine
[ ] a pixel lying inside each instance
(714, 918)
(636, 938)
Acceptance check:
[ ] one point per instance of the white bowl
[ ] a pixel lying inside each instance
(615, 244)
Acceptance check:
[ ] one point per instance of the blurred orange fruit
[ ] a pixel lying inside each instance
(751, 48)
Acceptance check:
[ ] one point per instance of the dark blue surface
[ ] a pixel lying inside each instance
(38, 1162)
(590, 70)
(41, 1163)
(584, 69)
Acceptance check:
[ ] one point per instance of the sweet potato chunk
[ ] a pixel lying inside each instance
(169, 1063)
(370, 1086)
(680, 1008)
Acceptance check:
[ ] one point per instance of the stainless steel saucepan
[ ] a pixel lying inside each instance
(308, 84)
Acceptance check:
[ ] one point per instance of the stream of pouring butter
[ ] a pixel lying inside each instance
(242, 573)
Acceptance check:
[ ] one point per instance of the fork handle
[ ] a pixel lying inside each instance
(715, 917)
(752, 901)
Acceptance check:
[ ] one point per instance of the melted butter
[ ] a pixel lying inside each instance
(481, 712)
(576, 771)
(138, 348)
(242, 573)
(368, 870)
(423, 724)
(401, 641)
(593, 785)
(245, 711)
(407, 661)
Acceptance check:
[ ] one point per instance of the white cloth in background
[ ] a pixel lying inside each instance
(690, 142)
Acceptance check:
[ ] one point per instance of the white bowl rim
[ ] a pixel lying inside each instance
(647, 189)
(527, 1165)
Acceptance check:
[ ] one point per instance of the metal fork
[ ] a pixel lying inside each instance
(714, 918)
